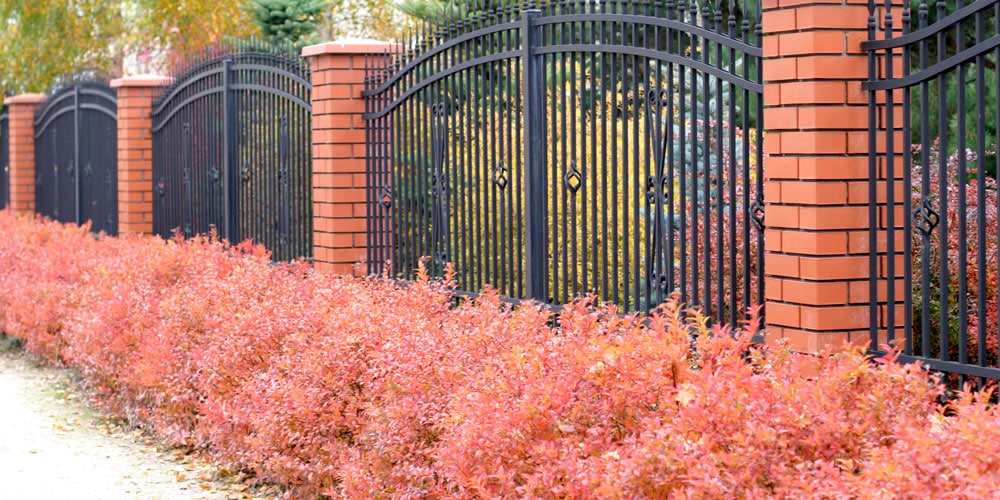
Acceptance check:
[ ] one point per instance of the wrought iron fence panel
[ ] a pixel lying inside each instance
(232, 152)
(4, 160)
(76, 156)
(603, 148)
(932, 189)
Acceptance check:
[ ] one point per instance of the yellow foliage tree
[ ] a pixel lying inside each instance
(45, 40)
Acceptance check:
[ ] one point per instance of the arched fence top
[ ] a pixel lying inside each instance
(260, 70)
(94, 96)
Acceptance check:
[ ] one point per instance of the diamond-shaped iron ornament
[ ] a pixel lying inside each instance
(926, 218)
(500, 175)
(757, 213)
(214, 173)
(70, 169)
(573, 179)
(161, 187)
(385, 198)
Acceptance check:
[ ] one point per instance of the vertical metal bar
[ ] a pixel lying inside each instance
(981, 228)
(188, 179)
(890, 184)
(77, 125)
(873, 313)
(963, 214)
(759, 198)
(682, 160)
(635, 269)
(907, 194)
(732, 169)
(944, 276)
(228, 139)
(925, 190)
(55, 174)
(533, 87)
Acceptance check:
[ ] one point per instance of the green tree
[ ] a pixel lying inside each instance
(377, 19)
(288, 22)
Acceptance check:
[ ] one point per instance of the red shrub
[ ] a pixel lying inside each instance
(362, 388)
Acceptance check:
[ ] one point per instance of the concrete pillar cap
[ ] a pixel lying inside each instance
(141, 81)
(25, 99)
(351, 46)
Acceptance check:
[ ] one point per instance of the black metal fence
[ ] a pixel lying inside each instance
(232, 150)
(603, 147)
(4, 160)
(934, 203)
(76, 156)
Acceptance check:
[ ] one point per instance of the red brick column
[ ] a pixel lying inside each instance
(135, 152)
(340, 239)
(817, 172)
(21, 119)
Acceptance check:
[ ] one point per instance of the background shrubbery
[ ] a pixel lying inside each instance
(361, 388)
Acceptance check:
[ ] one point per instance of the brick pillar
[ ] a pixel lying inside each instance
(135, 152)
(816, 172)
(21, 120)
(340, 239)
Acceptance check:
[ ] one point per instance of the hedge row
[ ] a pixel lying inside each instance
(360, 388)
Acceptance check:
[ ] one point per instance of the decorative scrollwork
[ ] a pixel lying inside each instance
(925, 218)
(214, 173)
(439, 109)
(245, 172)
(500, 174)
(71, 169)
(88, 171)
(657, 98)
(656, 192)
(659, 280)
(161, 187)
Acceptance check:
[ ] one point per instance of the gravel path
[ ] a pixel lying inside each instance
(54, 445)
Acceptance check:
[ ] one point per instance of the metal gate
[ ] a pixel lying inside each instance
(933, 183)
(4, 160)
(611, 148)
(232, 151)
(76, 156)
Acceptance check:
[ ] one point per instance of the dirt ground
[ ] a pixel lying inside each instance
(55, 445)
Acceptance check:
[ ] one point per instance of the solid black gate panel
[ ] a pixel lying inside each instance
(4, 161)
(232, 151)
(76, 156)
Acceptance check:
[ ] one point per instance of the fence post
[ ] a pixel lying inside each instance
(816, 168)
(339, 184)
(135, 151)
(21, 120)
(533, 86)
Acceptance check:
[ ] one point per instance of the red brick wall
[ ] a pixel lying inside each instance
(340, 239)
(817, 171)
(21, 116)
(135, 152)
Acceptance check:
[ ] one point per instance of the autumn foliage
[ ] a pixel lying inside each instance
(363, 388)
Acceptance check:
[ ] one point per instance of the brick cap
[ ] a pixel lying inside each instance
(26, 99)
(351, 46)
(141, 81)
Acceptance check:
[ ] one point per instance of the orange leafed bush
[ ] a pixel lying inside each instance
(362, 388)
